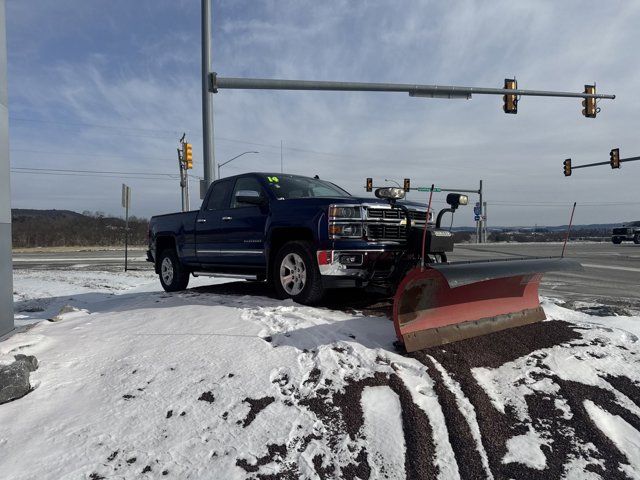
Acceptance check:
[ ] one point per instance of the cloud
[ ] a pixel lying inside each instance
(134, 69)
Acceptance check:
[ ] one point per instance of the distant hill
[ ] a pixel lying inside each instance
(66, 228)
(53, 214)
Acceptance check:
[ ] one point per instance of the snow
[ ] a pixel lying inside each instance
(129, 371)
(626, 438)
(525, 449)
(383, 432)
(466, 407)
(423, 395)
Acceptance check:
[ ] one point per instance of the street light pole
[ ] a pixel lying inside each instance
(231, 160)
(208, 155)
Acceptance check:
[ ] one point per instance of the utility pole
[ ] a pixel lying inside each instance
(185, 163)
(484, 222)
(281, 167)
(479, 223)
(6, 268)
(208, 160)
(126, 203)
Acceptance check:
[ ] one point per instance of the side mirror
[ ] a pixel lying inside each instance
(390, 193)
(456, 199)
(250, 197)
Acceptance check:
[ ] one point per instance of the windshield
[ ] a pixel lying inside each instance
(285, 187)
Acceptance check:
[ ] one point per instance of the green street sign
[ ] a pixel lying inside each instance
(426, 189)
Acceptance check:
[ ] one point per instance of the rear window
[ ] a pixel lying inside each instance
(286, 187)
(219, 194)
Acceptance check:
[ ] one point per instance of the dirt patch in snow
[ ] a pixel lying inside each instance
(341, 412)
(256, 405)
(206, 397)
(273, 452)
(564, 437)
(499, 348)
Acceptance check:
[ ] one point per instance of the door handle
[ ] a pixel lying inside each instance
(226, 219)
(201, 220)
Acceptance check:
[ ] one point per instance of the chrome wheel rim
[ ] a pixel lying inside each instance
(293, 274)
(166, 270)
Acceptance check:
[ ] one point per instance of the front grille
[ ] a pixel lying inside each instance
(386, 232)
(384, 213)
(418, 216)
(394, 214)
(620, 231)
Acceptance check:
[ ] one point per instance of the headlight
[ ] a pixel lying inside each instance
(336, 211)
(346, 230)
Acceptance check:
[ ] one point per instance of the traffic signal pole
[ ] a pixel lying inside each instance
(6, 270)
(208, 154)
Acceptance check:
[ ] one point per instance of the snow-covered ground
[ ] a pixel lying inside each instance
(219, 382)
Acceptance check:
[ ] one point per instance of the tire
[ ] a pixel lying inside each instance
(173, 275)
(616, 240)
(305, 283)
(636, 239)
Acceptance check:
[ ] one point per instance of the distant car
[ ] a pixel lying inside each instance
(628, 232)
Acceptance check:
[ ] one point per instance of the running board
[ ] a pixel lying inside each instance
(225, 275)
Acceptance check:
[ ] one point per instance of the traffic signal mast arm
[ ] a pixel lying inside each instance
(621, 160)
(414, 90)
(369, 187)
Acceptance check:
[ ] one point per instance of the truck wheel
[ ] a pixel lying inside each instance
(295, 274)
(173, 275)
(636, 239)
(616, 240)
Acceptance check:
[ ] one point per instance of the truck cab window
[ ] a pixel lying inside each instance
(219, 194)
(245, 183)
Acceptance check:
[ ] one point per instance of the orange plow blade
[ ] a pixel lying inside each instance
(444, 303)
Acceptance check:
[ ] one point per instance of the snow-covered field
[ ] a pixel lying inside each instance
(220, 382)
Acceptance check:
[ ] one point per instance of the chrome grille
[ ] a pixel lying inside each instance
(418, 216)
(394, 214)
(386, 232)
(384, 213)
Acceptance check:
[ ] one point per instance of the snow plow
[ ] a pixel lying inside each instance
(437, 302)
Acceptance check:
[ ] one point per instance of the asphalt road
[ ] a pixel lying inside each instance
(611, 273)
(110, 260)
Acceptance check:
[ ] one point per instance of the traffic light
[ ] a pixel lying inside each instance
(369, 185)
(589, 104)
(188, 156)
(510, 101)
(614, 158)
(567, 167)
(407, 184)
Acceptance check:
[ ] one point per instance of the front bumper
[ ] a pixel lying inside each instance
(356, 268)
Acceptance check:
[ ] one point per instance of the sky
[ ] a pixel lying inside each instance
(111, 85)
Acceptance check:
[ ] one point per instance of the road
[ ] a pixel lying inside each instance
(611, 273)
(110, 260)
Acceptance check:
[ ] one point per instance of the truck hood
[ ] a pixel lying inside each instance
(353, 201)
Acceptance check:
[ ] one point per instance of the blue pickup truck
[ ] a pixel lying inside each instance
(303, 235)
